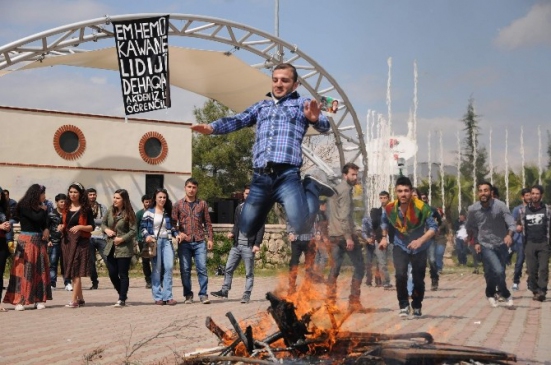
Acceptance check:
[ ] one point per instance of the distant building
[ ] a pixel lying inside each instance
(55, 148)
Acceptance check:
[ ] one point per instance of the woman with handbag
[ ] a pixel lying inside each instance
(30, 276)
(157, 232)
(119, 224)
(77, 226)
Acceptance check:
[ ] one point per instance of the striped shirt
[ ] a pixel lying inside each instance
(193, 219)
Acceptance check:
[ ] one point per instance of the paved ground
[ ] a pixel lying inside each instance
(457, 313)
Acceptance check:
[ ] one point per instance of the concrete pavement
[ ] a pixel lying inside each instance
(143, 333)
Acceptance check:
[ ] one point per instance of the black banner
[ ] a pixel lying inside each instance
(142, 49)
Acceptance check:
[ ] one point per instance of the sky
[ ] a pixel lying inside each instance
(496, 52)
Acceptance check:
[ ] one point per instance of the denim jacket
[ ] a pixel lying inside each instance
(147, 226)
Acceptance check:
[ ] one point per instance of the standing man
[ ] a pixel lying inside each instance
(518, 237)
(414, 226)
(243, 249)
(371, 228)
(98, 241)
(434, 249)
(535, 222)
(193, 219)
(281, 122)
(491, 224)
(146, 263)
(11, 203)
(460, 239)
(343, 238)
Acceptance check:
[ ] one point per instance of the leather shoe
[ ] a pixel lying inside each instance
(159, 302)
(94, 286)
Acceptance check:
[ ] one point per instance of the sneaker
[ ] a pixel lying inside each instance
(509, 301)
(404, 312)
(173, 302)
(189, 299)
(119, 304)
(368, 284)
(246, 298)
(515, 287)
(417, 312)
(204, 299)
(72, 305)
(19, 307)
(69, 287)
(39, 306)
(541, 297)
(323, 188)
(81, 302)
(499, 298)
(52, 286)
(476, 271)
(493, 302)
(434, 285)
(387, 287)
(148, 285)
(159, 302)
(94, 286)
(219, 294)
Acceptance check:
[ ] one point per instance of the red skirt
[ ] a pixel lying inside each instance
(30, 272)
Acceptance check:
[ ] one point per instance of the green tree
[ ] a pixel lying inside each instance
(471, 148)
(221, 164)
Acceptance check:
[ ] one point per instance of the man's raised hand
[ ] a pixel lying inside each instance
(202, 128)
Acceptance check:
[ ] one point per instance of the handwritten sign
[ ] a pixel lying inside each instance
(142, 49)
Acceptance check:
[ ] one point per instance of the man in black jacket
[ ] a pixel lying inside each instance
(243, 249)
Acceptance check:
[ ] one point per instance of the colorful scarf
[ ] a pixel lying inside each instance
(415, 216)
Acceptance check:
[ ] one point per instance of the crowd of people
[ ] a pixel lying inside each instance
(320, 224)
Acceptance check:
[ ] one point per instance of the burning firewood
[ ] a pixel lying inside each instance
(299, 341)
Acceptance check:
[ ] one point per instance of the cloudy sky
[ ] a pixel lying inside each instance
(496, 51)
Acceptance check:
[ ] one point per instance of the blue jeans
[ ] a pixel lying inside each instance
(163, 261)
(494, 260)
(461, 249)
(300, 201)
(433, 266)
(518, 247)
(9, 235)
(54, 253)
(439, 251)
(322, 256)
(96, 243)
(197, 250)
(238, 253)
(373, 253)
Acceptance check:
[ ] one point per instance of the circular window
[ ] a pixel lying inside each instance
(153, 148)
(69, 142)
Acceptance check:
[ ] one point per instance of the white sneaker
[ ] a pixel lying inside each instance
(39, 305)
(19, 307)
(69, 287)
(515, 287)
(492, 301)
(509, 301)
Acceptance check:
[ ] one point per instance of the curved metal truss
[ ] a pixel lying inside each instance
(273, 50)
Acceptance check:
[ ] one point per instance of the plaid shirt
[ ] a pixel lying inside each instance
(193, 219)
(281, 127)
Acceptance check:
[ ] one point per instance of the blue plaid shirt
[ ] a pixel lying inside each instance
(281, 127)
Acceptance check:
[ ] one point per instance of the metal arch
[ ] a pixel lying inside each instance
(65, 40)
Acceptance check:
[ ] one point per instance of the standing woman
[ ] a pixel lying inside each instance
(30, 273)
(156, 225)
(77, 225)
(4, 250)
(119, 224)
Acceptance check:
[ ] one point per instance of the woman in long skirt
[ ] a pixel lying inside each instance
(4, 250)
(77, 225)
(30, 276)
